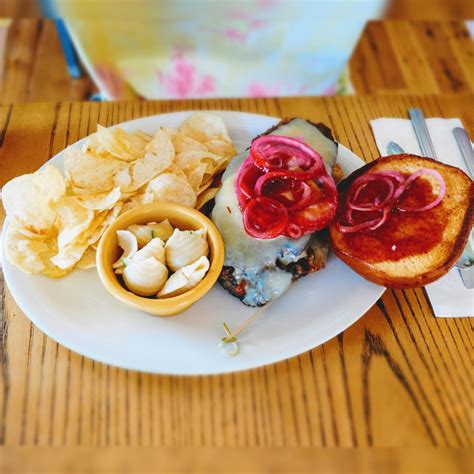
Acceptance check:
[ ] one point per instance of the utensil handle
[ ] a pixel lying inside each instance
(422, 134)
(464, 143)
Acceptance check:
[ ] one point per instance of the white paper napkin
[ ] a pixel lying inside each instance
(448, 295)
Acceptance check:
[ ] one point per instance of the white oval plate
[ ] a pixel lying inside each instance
(77, 312)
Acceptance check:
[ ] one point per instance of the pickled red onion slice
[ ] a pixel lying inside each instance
(290, 155)
(265, 218)
(368, 225)
(319, 213)
(389, 201)
(293, 231)
(431, 205)
(360, 184)
(245, 181)
(293, 194)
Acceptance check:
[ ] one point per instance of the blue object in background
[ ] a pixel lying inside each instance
(68, 49)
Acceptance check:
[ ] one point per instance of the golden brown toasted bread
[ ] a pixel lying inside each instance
(411, 249)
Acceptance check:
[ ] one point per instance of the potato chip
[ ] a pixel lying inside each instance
(29, 199)
(204, 126)
(205, 197)
(205, 185)
(198, 165)
(137, 200)
(69, 255)
(101, 201)
(72, 219)
(183, 143)
(195, 176)
(31, 256)
(121, 144)
(123, 179)
(95, 231)
(175, 169)
(159, 156)
(172, 188)
(88, 259)
(221, 148)
(85, 171)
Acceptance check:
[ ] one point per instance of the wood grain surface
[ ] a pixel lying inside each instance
(398, 377)
(409, 57)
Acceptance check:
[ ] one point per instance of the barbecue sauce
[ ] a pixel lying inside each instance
(405, 233)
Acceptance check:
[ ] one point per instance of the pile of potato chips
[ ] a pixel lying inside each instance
(56, 221)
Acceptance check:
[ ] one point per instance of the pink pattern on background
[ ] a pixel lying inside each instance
(331, 90)
(256, 23)
(111, 80)
(183, 80)
(257, 89)
(235, 35)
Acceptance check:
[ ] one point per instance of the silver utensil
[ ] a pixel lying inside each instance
(422, 134)
(394, 148)
(464, 143)
(465, 264)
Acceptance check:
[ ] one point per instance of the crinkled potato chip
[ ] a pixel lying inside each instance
(184, 143)
(88, 259)
(101, 201)
(137, 200)
(172, 188)
(92, 174)
(198, 165)
(72, 219)
(94, 233)
(221, 148)
(205, 197)
(69, 255)
(195, 176)
(121, 144)
(29, 199)
(32, 256)
(159, 156)
(205, 126)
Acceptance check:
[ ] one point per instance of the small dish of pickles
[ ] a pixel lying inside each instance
(161, 257)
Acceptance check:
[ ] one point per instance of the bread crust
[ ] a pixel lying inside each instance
(379, 277)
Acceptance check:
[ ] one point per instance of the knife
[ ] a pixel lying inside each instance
(464, 143)
(422, 134)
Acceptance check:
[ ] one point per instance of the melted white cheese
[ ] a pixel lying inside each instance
(254, 259)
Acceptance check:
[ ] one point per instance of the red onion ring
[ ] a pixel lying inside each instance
(431, 205)
(369, 225)
(307, 191)
(274, 152)
(386, 204)
(265, 218)
(360, 183)
(293, 231)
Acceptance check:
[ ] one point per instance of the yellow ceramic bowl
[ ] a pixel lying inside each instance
(183, 218)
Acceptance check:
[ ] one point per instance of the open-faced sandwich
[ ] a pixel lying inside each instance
(403, 220)
(275, 200)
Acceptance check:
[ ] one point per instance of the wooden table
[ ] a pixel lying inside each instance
(411, 57)
(398, 377)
